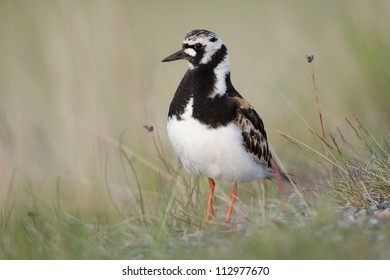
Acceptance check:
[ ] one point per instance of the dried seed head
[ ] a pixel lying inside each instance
(310, 58)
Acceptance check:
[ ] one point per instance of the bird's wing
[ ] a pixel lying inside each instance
(252, 127)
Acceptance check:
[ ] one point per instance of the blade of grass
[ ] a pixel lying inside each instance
(311, 149)
(108, 187)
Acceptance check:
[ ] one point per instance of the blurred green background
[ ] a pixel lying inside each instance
(76, 75)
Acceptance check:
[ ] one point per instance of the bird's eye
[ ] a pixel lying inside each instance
(198, 46)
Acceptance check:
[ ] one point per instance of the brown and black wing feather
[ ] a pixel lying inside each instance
(255, 137)
(253, 132)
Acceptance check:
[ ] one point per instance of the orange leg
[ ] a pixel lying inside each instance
(210, 208)
(233, 196)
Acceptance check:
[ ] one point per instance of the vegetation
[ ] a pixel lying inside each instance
(86, 171)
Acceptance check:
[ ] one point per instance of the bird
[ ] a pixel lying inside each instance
(214, 131)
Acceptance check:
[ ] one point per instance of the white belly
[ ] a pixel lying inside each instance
(216, 153)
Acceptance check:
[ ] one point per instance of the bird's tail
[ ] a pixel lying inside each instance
(274, 171)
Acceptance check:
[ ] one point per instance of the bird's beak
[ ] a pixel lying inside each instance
(176, 56)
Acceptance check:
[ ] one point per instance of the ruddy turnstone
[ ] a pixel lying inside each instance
(212, 128)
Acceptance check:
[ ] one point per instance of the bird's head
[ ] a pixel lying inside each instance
(199, 47)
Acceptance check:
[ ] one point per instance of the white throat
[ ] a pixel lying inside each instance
(221, 72)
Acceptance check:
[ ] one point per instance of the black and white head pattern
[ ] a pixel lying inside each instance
(200, 46)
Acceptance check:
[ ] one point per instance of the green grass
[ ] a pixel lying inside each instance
(81, 178)
(169, 224)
